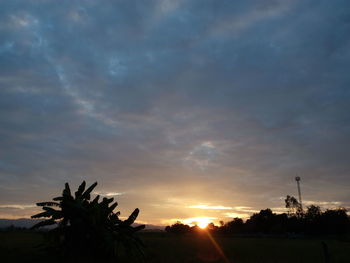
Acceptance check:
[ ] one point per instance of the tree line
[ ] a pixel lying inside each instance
(313, 221)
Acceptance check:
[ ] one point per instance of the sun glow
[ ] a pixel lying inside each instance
(201, 222)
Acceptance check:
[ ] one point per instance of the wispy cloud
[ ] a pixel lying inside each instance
(235, 24)
(108, 193)
(200, 109)
(232, 215)
(219, 207)
(17, 206)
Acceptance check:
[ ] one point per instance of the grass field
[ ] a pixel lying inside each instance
(161, 247)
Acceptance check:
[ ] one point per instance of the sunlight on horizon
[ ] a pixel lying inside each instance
(201, 222)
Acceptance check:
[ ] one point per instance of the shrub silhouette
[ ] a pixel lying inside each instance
(313, 222)
(293, 206)
(178, 228)
(89, 230)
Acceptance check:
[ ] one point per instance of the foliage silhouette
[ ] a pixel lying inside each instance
(293, 206)
(89, 230)
(234, 226)
(313, 222)
(178, 228)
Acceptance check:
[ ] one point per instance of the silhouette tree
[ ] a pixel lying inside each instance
(211, 227)
(335, 221)
(312, 220)
(293, 206)
(234, 226)
(89, 229)
(178, 228)
(313, 212)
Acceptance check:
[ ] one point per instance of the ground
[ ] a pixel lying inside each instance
(162, 247)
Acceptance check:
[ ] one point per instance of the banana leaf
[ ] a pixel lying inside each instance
(44, 223)
(132, 217)
(80, 190)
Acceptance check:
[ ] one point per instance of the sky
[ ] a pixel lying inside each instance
(184, 109)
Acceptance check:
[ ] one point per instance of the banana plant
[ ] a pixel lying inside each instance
(89, 229)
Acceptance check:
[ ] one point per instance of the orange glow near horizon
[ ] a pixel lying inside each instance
(203, 223)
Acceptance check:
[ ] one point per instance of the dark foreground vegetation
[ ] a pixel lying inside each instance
(88, 230)
(22, 246)
(312, 222)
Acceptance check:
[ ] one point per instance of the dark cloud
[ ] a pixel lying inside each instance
(231, 99)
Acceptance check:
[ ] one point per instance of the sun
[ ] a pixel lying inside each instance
(202, 222)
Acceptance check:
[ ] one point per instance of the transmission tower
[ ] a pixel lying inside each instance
(299, 192)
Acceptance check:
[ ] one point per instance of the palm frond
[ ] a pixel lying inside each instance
(95, 201)
(86, 194)
(42, 214)
(132, 217)
(112, 207)
(80, 189)
(44, 223)
(66, 191)
(47, 204)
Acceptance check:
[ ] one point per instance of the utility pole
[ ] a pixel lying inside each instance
(299, 192)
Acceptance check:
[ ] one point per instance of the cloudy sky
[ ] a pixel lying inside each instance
(191, 108)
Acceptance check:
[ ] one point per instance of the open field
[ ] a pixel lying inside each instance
(161, 247)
